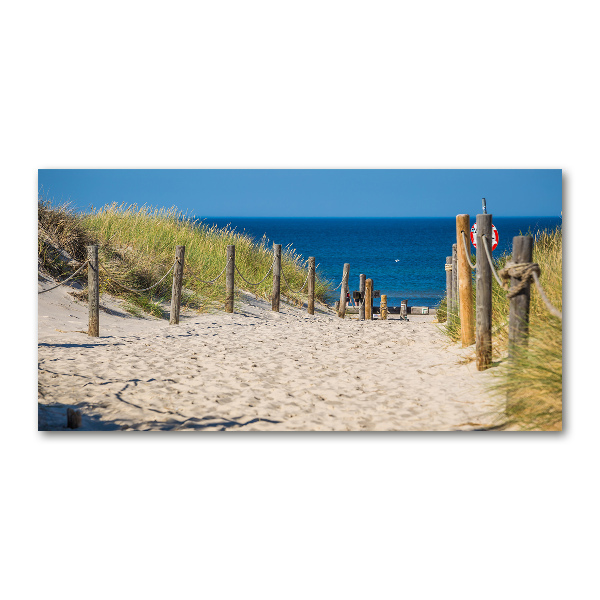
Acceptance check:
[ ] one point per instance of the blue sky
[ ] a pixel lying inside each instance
(313, 192)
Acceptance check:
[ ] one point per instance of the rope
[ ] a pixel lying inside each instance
(524, 271)
(255, 284)
(288, 283)
(467, 253)
(447, 267)
(339, 286)
(142, 290)
(551, 309)
(65, 281)
(487, 251)
(219, 275)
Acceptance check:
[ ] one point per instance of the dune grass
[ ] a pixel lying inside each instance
(530, 383)
(137, 247)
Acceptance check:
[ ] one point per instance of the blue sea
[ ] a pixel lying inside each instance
(403, 256)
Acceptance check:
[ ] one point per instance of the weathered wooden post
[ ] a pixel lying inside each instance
(344, 291)
(518, 320)
(230, 279)
(276, 277)
(93, 292)
(454, 284)
(483, 290)
(383, 310)
(403, 309)
(372, 299)
(73, 418)
(361, 305)
(369, 299)
(465, 285)
(177, 285)
(310, 305)
(448, 268)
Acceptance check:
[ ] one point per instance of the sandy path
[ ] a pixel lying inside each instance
(253, 370)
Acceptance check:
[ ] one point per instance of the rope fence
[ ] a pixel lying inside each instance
(211, 281)
(289, 287)
(141, 290)
(176, 268)
(229, 270)
(467, 253)
(514, 278)
(65, 281)
(522, 271)
(255, 284)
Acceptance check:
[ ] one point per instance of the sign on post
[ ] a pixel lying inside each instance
(494, 235)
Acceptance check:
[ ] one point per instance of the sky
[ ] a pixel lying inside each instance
(312, 192)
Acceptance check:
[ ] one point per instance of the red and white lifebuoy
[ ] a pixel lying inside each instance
(494, 235)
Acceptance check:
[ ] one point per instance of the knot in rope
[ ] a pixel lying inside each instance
(522, 271)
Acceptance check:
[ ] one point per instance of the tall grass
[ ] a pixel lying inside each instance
(137, 247)
(530, 383)
(60, 229)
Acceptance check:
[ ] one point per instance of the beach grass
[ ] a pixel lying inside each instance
(529, 385)
(137, 247)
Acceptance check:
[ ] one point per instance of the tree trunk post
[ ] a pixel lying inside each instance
(93, 292)
(177, 285)
(275, 296)
(361, 305)
(465, 285)
(344, 291)
(310, 305)
(454, 284)
(518, 320)
(230, 279)
(448, 288)
(483, 290)
(369, 299)
(383, 309)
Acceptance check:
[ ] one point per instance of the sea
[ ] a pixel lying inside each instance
(404, 257)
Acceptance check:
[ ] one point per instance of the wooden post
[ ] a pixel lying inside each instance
(448, 288)
(230, 279)
(454, 284)
(383, 309)
(369, 299)
(465, 285)
(310, 307)
(403, 309)
(344, 291)
(73, 418)
(276, 277)
(177, 284)
(483, 289)
(93, 292)
(518, 320)
(372, 300)
(361, 305)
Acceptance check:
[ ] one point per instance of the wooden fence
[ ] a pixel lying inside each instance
(364, 297)
(521, 271)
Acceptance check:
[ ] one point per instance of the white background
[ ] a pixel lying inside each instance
(311, 84)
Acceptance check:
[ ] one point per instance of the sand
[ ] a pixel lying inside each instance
(253, 370)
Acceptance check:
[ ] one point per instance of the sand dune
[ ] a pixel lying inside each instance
(253, 370)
